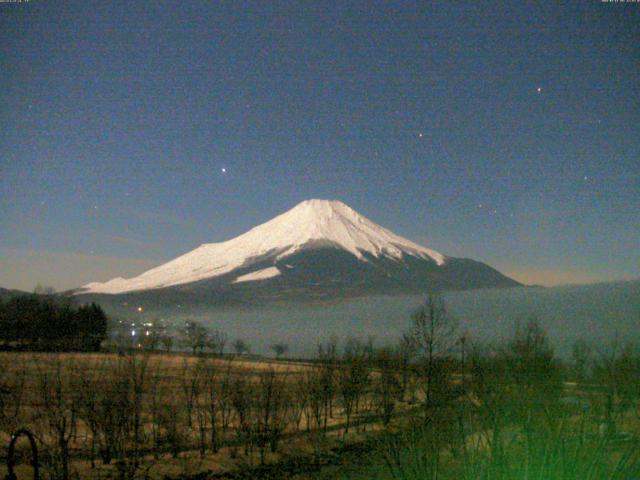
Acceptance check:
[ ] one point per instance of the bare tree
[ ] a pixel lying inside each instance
(217, 341)
(58, 411)
(190, 387)
(156, 396)
(489, 375)
(353, 377)
(171, 423)
(201, 402)
(387, 389)
(616, 371)
(240, 347)
(406, 351)
(86, 385)
(118, 408)
(316, 405)
(167, 342)
(272, 409)
(212, 402)
(225, 401)
(195, 336)
(242, 400)
(136, 366)
(433, 336)
(535, 374)
(299, 406)
(328, 355)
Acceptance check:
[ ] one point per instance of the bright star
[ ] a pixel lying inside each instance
(539, 89)
(224, 170)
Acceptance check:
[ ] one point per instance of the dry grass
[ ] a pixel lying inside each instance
(174, 372)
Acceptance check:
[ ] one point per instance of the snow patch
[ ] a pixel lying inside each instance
(258, 275)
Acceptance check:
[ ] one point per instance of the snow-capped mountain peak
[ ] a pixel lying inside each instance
(335, 222)
(310, 223)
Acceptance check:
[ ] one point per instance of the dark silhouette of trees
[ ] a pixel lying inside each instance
(534, 372)
(240, 347)
(616, 369)
(433, 337)
(353, 377)
(387, 389)
(195, 336)
(167, 342)
(216, 342)
(280, 349)
(50, 322)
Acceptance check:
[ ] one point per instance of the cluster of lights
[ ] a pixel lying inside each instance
(144, 327)
(147, 332)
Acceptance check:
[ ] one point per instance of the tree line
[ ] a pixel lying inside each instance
(50, 322)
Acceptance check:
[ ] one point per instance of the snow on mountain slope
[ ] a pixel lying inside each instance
(309, 223)
(265, 273)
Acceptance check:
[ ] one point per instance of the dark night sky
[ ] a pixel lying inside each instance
(508, 132)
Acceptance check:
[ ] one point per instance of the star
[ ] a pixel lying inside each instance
(539, 89)
(586, 178)
(420, 135)
(224, 170)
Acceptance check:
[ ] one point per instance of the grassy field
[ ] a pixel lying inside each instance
(512, 411)
(153, 415)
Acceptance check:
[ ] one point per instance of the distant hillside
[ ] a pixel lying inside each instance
(6, 293)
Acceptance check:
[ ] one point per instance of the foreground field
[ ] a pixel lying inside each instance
(421, 410)
(104, 416)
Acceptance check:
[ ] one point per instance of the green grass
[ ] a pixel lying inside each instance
(570, 449)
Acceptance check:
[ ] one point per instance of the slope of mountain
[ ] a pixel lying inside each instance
(319, 248)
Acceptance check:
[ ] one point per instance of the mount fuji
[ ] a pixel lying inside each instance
(318, 250)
